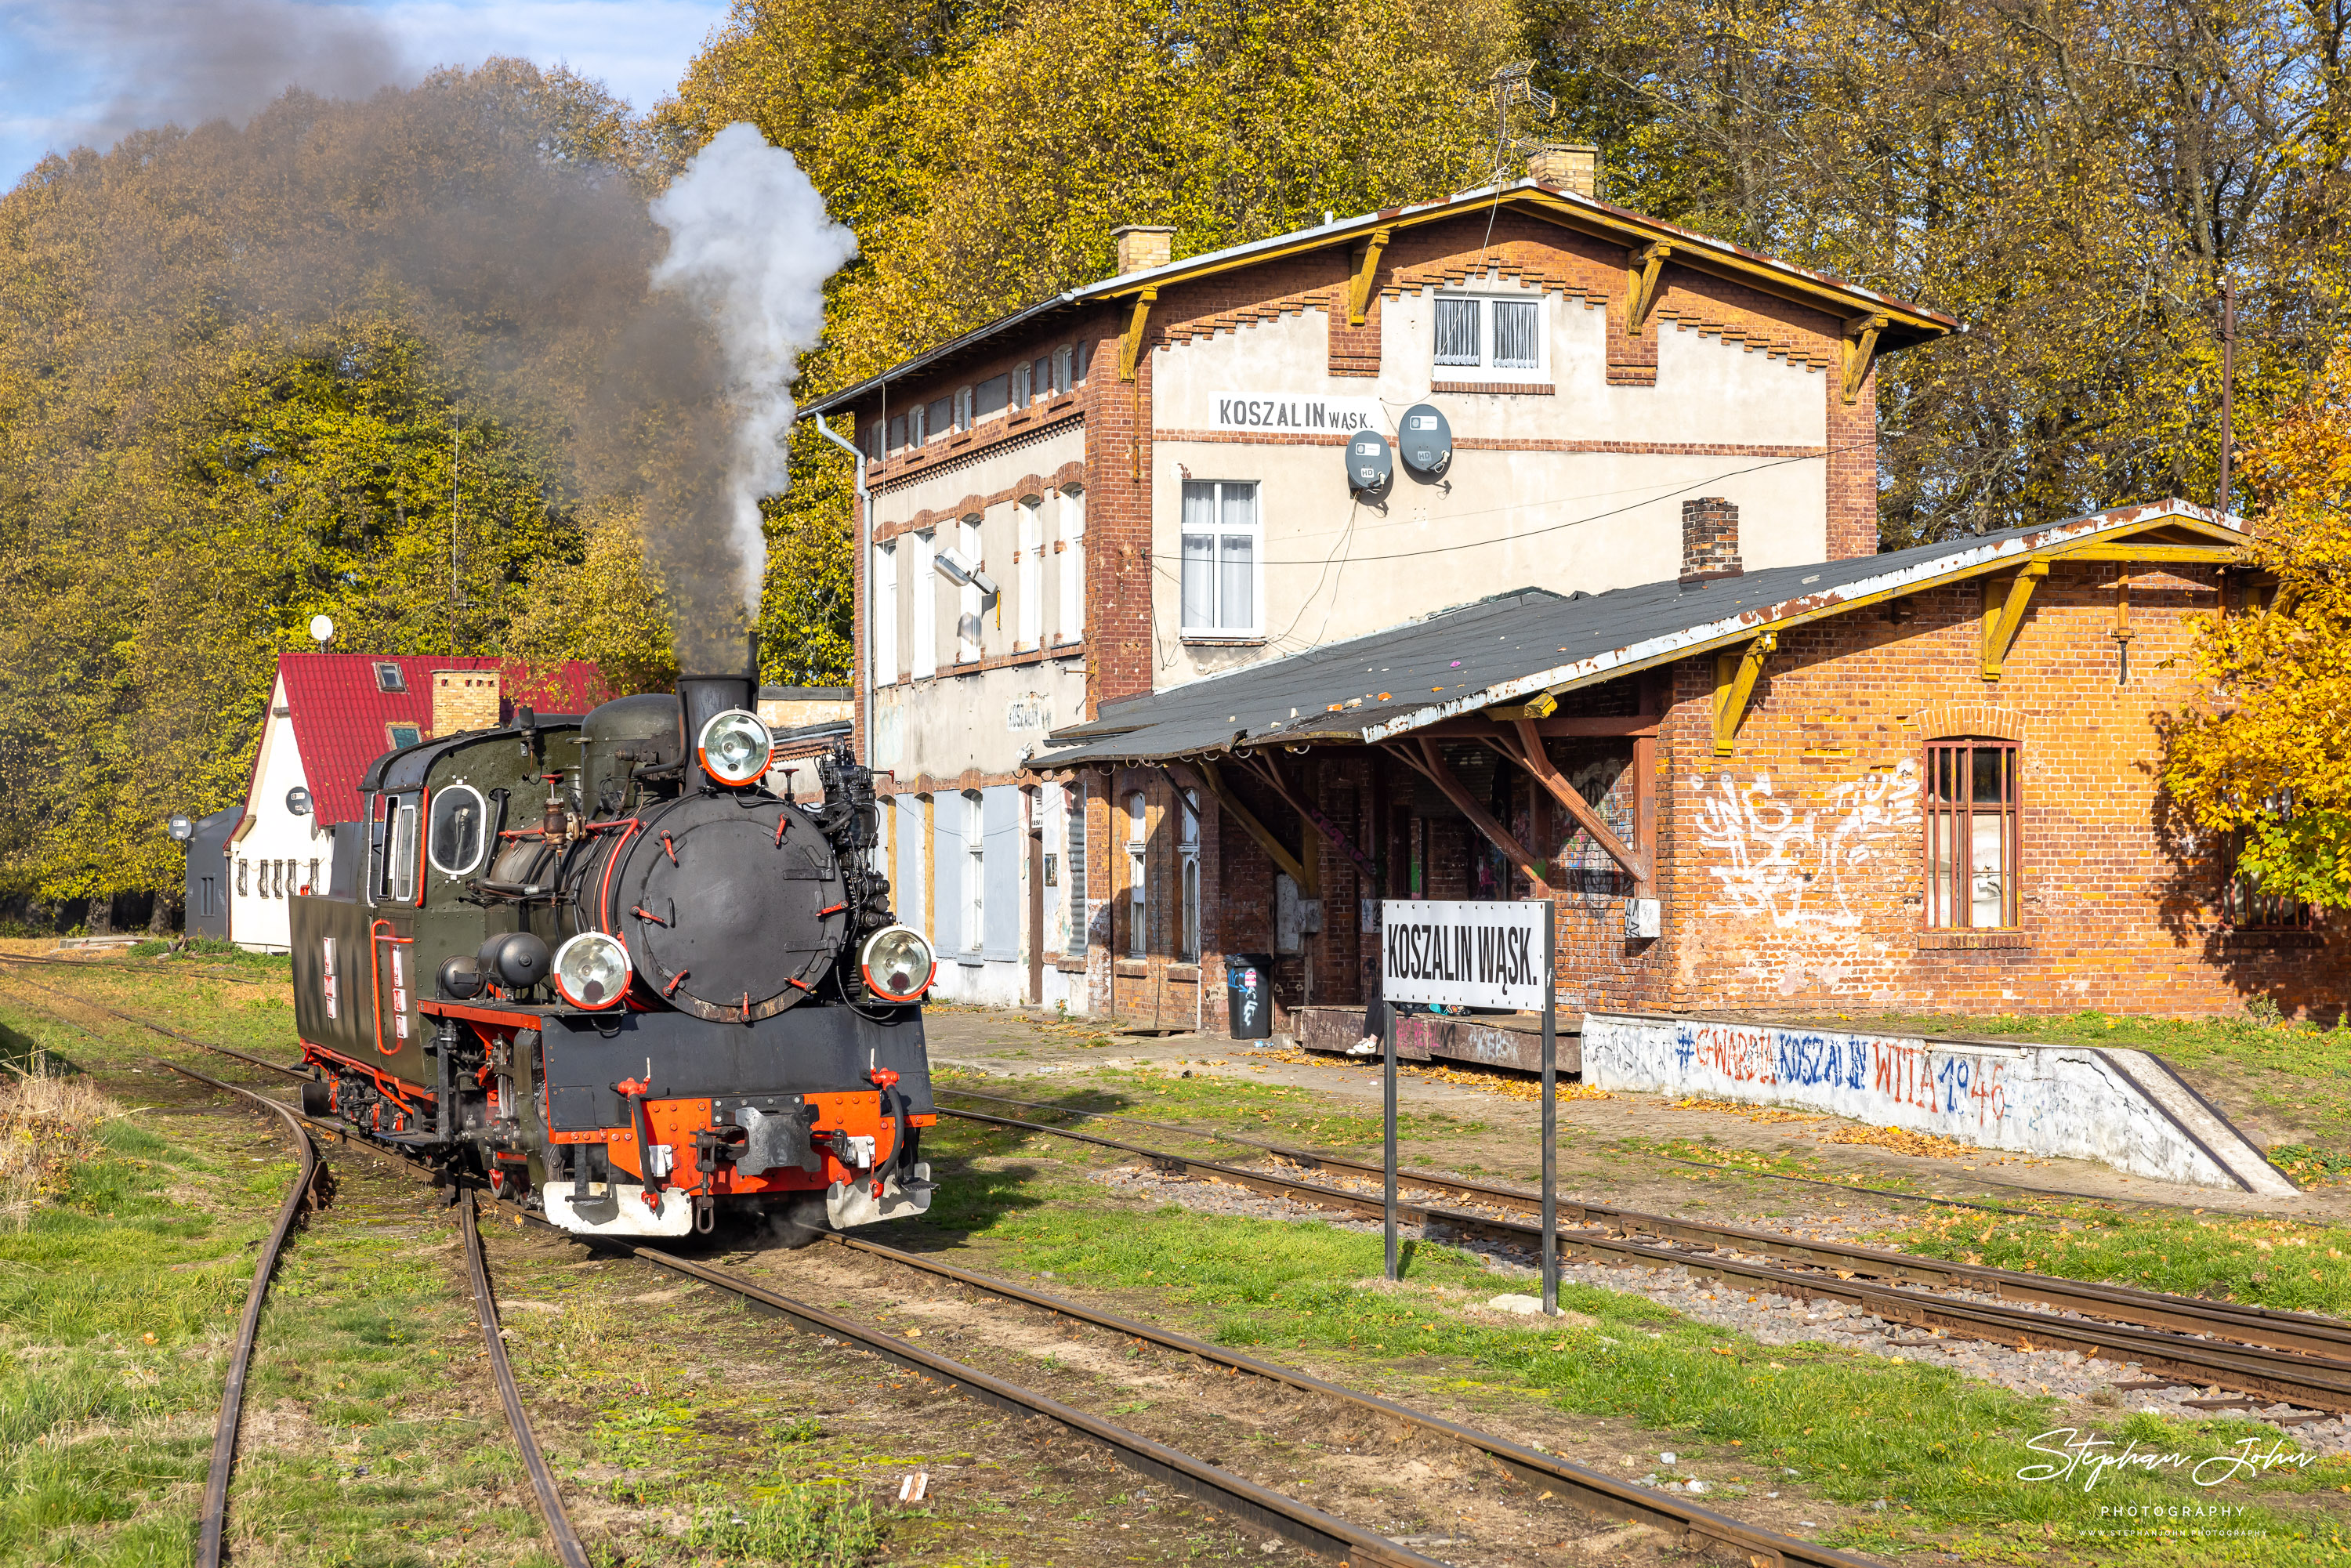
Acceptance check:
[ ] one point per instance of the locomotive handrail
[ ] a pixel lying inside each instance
(375, 976)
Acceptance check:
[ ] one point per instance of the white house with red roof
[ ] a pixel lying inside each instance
(329, 716)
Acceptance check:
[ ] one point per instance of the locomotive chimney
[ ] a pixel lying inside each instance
(704, 696)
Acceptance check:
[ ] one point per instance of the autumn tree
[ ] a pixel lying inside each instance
(2073, 179)
(2265, 766)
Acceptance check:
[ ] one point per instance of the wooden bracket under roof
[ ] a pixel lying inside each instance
(1529, 754)
(1368, 271)
(1130, 345)
(1648, 264)
(1861, 335)
(1735, 674)
(1282, 859)
(2004, 617)
(1421, 754)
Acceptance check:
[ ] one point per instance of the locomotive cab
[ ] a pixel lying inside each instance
(601, 963)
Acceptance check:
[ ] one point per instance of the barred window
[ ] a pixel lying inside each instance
(2247, 906)
(1973, 844)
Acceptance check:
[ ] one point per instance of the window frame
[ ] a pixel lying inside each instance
(1074, 869)
(1028, 559)
(391, 679)
(975, 870)
(1187, 866)
(1070, 612)
(390, 888)
(970, 606)
(1023, 385)
(392, 729)
(1064, 358)
(2280, 913)
(923, 586)
(963, 403)
(1138, 873)
(1487, 368)
(1220, 531)
(481, 848)
(881, 629)
(1941, 907)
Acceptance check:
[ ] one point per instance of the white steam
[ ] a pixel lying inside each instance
(751, 246)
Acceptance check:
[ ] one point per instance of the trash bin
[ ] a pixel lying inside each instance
(1248, 995)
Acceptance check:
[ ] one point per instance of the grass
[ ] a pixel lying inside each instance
(1272, 1112)
(2272, 1263)
(117, 1299)
(1938, 1450)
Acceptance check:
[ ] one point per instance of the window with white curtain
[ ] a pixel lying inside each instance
(1028, 615)
(918, 425)
(1222, 538)
(882, 615)
(967, 598)
(1062, 360)
(923, 584)
(1138, 904)
(1020, 385)
(1488, 334)
(1073, 565)
(963, 408)
(974, 869)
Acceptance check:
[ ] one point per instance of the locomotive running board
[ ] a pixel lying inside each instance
(674, 1218)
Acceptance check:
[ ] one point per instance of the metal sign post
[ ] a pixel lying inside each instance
(1388, 1125)
(1550, 1112)
(1475, 954)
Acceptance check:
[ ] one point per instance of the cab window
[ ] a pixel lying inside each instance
(459, 832)
(399, 884)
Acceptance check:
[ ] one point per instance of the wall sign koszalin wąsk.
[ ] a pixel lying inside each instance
(1296, 411)
(1469, 954)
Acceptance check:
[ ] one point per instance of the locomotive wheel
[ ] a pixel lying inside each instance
(800, 1221)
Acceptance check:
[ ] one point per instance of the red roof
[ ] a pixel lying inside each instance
(342, 716)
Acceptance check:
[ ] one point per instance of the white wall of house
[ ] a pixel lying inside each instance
(275, 853)
(1519, 511)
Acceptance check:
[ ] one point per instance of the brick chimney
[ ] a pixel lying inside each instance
(1142, 247)
(1709, 540)
(464, 699)
(1574, 165)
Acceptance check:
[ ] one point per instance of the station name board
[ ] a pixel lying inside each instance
(1312, 415)
(1473, 953)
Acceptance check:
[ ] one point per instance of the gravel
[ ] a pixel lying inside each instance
(1779, 1320)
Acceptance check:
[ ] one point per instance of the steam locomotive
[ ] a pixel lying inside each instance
(601, 963)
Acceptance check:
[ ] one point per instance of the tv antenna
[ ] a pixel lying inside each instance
(1513, 86)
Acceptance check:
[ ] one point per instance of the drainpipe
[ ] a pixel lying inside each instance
(863, 543)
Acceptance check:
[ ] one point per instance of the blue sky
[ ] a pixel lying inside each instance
(82, 72)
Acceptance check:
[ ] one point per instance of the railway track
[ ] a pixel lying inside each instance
(1694, 1527)
(211, 1530)
(2294, 1358)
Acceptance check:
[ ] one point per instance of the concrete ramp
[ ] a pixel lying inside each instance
(2124, 1108)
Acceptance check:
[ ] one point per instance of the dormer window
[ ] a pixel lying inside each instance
(389, 678)
(400, 735)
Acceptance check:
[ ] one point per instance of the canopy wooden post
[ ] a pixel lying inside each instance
(1431, 764)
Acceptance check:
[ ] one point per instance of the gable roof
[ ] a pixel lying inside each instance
(1905, 324)
(341, 716)
(1512, 646)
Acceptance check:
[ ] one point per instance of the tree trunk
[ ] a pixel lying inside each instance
(159, 914)
(102, 914)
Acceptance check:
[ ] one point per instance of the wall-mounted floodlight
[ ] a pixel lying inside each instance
(961, 573)
(297, 801)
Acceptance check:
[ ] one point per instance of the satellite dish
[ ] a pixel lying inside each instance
(1370, 464)
(1426, 440)
(297, 801)
(182, 829)
(322, 629)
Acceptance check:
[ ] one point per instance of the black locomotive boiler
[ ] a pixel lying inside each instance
(602, 963)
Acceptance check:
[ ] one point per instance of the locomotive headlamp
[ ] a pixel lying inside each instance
(734, 746)
(897, 964)
(591, 969)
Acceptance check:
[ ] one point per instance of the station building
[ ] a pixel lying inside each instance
(1155, 682)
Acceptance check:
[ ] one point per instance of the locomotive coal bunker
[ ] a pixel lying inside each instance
(602, 964)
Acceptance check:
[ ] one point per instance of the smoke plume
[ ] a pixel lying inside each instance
(503, 216)
(751, 246)
(187, 63)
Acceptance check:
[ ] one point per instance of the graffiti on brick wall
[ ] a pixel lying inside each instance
(1798, 868)
(2034, 1099)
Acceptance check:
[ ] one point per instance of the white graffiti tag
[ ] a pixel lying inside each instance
(1798, 868)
